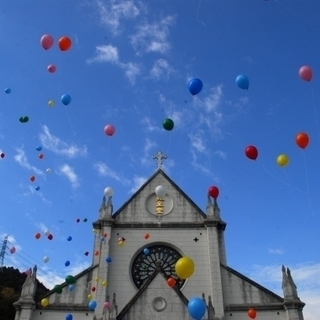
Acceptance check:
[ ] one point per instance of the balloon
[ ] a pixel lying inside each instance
(168, 124)
(107, 305)
(71, 287)
(40, 156)
(92, 305)
(242, 82)
(65, 99)
(282, 160)
(37, 235)
(252, 313)
(184, 268)
(69, 238)
(51, 68)
(171, 282)
(37, 188)
(45, 259)
(70, 279)
(64, 43)
(46, 41)
(302, 140)
(97, 279)
(147, 236)
(78, 220)
(121, 243)
(7, 90)
(93, 289)
(161, 191)
(24, 119)
(86, 253)
(109, 130)
(45, 302)
(197, 308)
(251, 152)
(38, 148)
(2, 155)
(146, 251)
(108, 192)
(108, 259)
(50, 236)
(57, 288)
(96, 253)
(195, 86)
(69, 316)
(51, 103)
(104, 283)
(47, 232)
(67, 263)
(305, 73)
(89, 296)
(32, 178)
(85, 220)
(214, 192)
(12, 250)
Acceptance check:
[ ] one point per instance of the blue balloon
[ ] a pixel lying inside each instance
(69, 317)
(7, 90)
(102, 239)
(65, 99)
(71, 287)
(92, 305)
(67, 263)
(197, 308)
(37, 188)
(195, 86)
(108, 259)
(38, 148)
(146, 251)
(69, 238)
(242, 82)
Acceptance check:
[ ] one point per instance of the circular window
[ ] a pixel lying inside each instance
(144, 265)
(159, 304)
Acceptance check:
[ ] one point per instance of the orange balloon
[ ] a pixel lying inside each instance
(64, 43)
(302, 140)
(171, 282)
(252, 313)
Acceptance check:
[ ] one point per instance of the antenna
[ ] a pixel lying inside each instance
(3, 251)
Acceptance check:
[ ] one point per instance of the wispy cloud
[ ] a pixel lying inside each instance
(137, 182)
(147, 158)
(105, 171)
(33, 191)
(111, 13)
(12, 242)
(221, 154)
(70, 174)
(149, 125)
(21, 158)
(109, 53)
(276, 251)
(197, 143)
(54, 144)
(161, 69)
(152, 37)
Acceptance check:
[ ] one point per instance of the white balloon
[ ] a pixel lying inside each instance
(45, 259)
(161, 191)
(47, 232)
(48, 170)
(108, 192)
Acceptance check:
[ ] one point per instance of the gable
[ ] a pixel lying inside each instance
(144, 206)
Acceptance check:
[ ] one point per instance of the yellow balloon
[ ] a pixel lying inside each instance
(45, 302)
(184, 268)
(51, 103)
(104, 283)
(282, 160)
(89, 296)
(121, 243)
(97, 279)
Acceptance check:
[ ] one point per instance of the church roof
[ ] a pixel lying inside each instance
(160, 172)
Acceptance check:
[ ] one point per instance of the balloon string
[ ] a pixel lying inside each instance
(285, 173)
(169, 143)
(74, 133)
(198, 13)
(307, 182)
(273, 175)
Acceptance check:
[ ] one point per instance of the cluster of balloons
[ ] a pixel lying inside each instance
(47, 41)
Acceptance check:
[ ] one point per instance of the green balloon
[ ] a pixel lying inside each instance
(70, 280)
(168, 124)
(21, 119)
(25, 119)
(57, 288)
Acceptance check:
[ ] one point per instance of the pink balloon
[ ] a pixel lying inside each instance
(107, 305)
(46, 41)
(109, 130)
(305, 73)
(51, 68)
(13, 250)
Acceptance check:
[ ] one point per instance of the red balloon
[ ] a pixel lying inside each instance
(51, 68)
(109, 130)
(305, 73)
(40, 156)
(251, 152)
(32, 178)
(2, 155)
(302, 140)
(38, 235)
(214, 192)
(12, 250)
(146, 236)
(171, 282)
(50, 236)
(252, 313)
(64, 43)
(46, 41)
(93, 289)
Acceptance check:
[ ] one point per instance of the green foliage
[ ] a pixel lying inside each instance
(11, 281)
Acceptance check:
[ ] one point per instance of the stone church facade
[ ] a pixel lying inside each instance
(125, 283)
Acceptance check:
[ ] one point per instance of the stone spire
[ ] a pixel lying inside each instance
(288, 286)
(213, 210)
(159, 156)
(106, 208)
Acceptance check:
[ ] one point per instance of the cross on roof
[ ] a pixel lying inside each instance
(159, 156)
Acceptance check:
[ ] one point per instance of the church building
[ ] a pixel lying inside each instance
(133, 275)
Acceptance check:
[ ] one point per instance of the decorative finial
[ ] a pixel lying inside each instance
(159, 156)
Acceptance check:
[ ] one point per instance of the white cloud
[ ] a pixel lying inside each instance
(161, 69)
(70, 174)
(111, 13)
(105, 171)
(146, 159)
(21, 158)
(152, 37)
(213, 101)
(197, 143)
(306, 277)
(131, 70)
(221, 154)
(137, 183)
(33, 191)
(276, 251)
(12, 242)
(58, 146)
(148, 125)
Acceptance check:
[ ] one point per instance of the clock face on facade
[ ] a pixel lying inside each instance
(144, 265)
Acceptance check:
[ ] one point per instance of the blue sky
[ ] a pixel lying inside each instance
(129, 66)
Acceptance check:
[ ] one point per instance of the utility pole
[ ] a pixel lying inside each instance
(3, 251)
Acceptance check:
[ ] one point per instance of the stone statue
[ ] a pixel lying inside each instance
(30, 285)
